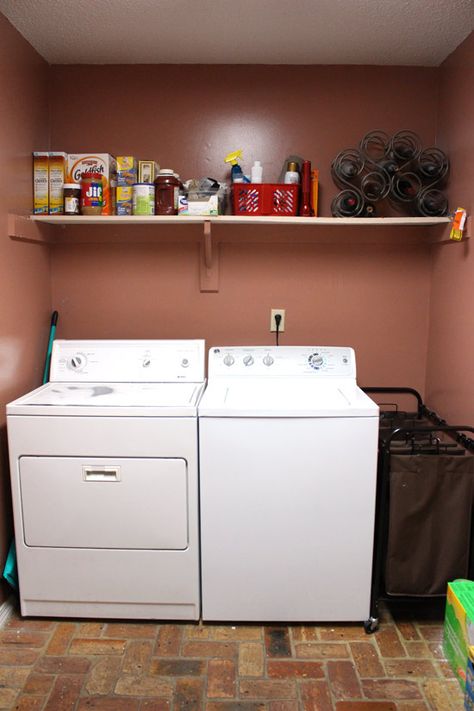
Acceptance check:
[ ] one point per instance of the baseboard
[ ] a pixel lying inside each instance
(6, 610)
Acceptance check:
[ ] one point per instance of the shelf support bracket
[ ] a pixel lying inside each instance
(209, 263)
(21, 228)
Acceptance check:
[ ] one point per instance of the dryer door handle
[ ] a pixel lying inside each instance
(101, 473)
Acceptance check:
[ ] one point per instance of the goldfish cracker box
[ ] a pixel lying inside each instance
(102, 163)
(459, 626)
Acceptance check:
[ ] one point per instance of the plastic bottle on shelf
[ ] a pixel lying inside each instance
(236, 174)
(257, 172)
(292, 175)
(305, 202)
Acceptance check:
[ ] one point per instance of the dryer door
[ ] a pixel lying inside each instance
(74, 502)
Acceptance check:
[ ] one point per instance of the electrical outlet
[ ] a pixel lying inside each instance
(273, 313)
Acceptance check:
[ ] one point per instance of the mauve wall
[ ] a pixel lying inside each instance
(24, 268)
(374, 297)
(450, 372)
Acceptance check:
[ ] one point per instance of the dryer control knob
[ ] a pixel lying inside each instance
(248, 360)
(77, 362)
(268, 360)
(229, 360)
(146, 363)
(185, 363)
(315, 360)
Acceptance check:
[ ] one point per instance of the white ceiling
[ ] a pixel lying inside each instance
(383, 32)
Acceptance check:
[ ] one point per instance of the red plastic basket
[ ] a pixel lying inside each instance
(265, 199)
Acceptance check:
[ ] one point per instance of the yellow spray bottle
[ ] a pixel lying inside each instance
(236, 174)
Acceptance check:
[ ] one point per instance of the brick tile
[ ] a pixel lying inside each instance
(237, 633)
(295, 669)
(410, 667)
(408, 631)
(315, 696)
(446, 669)
(412, 706)
(365, 706)
(64, 694)
(61, 638)
(24, 637)
(7, 698)
(436, 650)
(197, 632)
(304, 633)
(322, 650)
(189, 694)
(366, 659)
(18, 657)
(177, 667)
(137, 656)
(417, 650)
(28, 625)
(251, 659)
(63, 665)
(343, 680)
(128, 630)
(155, 705)
(237, 706)
(91, 629)
(168, 641)
(284, 706)
(13, 678)
(107, 703)
(432, 633)
(221, 675)
(263, 689)
(443, 695)
(97, 646)
(334, 633)
(223, 650)
(277, 642)
(103, 676)
(39, 684)
(135, 685)
(29, 703)
(392, 690)
(389, 642)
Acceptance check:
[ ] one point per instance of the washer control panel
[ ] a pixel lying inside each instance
(320, 361)
(128, 361)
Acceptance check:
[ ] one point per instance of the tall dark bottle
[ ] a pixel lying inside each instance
(305, 203)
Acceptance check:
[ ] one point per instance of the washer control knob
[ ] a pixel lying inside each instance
(228, 360)
(268, 360)
(248, 360)
(315, 360)
(185, 363)
(146, 363)
(77, 362)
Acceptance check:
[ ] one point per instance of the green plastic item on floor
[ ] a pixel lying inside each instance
(10, 571)
(459, 626)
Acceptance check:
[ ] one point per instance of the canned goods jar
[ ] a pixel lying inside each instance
(166, 193)
(143, 199)
(92, 193)
(72, 198)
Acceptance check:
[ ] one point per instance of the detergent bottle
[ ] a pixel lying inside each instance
(236, 174)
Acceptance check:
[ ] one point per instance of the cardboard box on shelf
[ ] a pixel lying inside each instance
(56, 176)
(459, 626)
(102, 163)
(40, 183)
(127, 173)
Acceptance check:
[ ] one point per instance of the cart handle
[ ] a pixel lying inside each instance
(408, 391)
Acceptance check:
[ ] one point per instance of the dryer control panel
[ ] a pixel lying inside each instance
(133, 361)
(274, 361)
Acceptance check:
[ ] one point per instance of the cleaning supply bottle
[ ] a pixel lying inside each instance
(305, 202)
(292, 175)
(257, 172)
(236, 174)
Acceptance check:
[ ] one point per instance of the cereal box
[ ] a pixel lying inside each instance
(40, 183)
(126, 170)
(102, 163)
(124, 199)
(57, 174)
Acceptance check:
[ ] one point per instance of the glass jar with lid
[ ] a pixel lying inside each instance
(166, 192)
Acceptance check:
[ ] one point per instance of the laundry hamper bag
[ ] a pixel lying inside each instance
(429, 531)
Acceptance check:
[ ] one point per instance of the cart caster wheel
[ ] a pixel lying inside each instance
(371, 625)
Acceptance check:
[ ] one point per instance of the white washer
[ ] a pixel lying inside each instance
(104, 471)
(288, 457)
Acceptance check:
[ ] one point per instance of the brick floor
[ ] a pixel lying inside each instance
(81, 665)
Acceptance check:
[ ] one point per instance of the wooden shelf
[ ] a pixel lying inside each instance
(42, 229)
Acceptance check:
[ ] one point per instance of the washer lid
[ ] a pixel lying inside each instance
(113, 399)
(285, 398)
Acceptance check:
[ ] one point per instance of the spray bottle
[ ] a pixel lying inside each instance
(236, 174)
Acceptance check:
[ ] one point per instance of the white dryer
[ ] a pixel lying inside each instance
(288, 458)
(104, 472)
